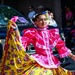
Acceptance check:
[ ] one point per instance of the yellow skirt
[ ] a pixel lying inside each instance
(39, 70)
(16, 61)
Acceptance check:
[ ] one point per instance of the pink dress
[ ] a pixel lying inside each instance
(44, 40)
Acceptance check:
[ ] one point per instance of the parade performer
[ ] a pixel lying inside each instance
(16, 61)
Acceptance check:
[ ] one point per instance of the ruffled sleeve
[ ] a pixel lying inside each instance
(61, 46)
(28, 37)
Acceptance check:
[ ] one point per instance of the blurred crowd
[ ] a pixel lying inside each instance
(69, 29)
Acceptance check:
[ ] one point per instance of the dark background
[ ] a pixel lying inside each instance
(22, 7)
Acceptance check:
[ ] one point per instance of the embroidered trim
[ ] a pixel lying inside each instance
(40, 46)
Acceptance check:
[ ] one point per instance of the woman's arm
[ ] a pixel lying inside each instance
(17, 33)
(15, 27)
(62, 49)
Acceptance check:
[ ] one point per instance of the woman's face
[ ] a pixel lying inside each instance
(41, 21)
(52, 16)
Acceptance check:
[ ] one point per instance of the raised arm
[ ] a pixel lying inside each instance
(15, 27)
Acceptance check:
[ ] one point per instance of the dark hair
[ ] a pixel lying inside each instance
(36, 16)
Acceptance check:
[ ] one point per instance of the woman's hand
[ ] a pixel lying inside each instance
(14, 27)
(14, 19)
(72, 56)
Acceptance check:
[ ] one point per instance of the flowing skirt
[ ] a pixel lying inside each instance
(16, 61)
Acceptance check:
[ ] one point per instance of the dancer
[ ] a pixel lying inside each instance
(43, 62)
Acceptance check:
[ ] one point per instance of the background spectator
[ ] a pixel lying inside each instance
(52, 21)
(31, 13)
(69, 14)
(40, 9)
(68, 35)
